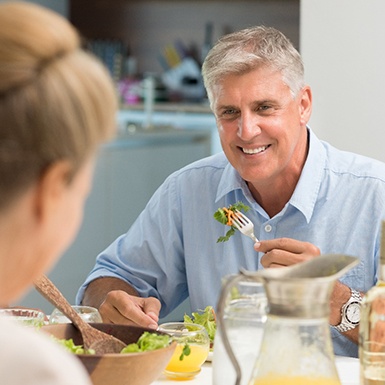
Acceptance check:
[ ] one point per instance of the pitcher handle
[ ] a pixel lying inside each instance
(222, 329)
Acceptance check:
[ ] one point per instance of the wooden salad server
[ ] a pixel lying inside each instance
(100, 342)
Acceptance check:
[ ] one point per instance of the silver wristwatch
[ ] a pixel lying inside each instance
(350, 312)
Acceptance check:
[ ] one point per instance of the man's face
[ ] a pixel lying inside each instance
(262, 128)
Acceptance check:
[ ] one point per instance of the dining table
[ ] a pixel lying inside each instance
(348, 370)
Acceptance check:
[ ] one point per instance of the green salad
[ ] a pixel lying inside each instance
(72, 348)
(205, 318)
(147, 341)
(225, 215)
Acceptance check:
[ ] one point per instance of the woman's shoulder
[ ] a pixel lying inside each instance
(29, 357)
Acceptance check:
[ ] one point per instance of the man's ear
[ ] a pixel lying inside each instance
(305, 104)
(51, 188)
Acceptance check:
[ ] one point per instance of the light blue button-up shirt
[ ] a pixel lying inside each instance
(171, 253)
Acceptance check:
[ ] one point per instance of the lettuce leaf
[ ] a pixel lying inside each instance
(148, 341)
(206, 319)
(220, 216)
(72, 348)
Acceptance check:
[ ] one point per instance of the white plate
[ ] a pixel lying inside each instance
(209, 357)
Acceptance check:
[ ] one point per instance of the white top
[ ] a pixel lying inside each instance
(28, 357)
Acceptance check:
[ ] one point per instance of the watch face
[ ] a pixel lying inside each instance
(353, 312)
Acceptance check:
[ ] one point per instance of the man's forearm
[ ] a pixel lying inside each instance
(98, 289)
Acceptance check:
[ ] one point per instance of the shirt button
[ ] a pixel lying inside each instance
(268, 228)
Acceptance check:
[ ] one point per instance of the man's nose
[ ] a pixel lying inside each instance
(248, 126)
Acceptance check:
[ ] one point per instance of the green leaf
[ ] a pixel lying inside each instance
(221, 217)
(185, 352)
(206, 319)
(227, 236)
(240, 206)
(72, 348)
(131, 348)
(148, 341)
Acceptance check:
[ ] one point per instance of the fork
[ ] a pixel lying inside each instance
(244, 225)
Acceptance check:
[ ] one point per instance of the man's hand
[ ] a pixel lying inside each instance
(285, 252)
(122, 308)
(119, 303)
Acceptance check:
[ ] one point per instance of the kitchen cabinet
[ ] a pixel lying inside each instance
(147, 27)
(127, 173)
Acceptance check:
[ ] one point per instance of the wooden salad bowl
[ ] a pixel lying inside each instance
(114, 368)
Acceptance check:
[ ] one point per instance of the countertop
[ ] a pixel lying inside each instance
(171, 107)
(171, 115)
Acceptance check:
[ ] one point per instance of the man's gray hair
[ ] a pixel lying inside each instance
(243, 51)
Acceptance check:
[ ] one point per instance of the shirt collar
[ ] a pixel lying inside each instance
(306, 191)
(230, 181)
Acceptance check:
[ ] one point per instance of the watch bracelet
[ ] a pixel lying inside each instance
(355, 296)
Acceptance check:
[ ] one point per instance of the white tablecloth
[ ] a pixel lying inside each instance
(348, 370)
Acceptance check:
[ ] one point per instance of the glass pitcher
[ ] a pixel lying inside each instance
(296, 347)
(245, 310)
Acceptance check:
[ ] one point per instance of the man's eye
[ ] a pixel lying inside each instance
(229, 112)
(264, 108)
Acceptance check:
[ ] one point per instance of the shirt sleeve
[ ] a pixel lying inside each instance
(150, 255)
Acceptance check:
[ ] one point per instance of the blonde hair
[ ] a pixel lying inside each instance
(57, 102)
(249, 49)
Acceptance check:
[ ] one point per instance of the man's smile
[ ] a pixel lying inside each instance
(253, 151)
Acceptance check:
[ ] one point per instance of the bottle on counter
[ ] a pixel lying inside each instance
(372, 327)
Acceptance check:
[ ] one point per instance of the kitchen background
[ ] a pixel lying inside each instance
(148, 43)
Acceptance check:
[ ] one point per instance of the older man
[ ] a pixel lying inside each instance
(306, 198)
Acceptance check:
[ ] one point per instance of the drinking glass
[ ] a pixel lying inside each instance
(29, 317)
(372, 357)
(190, 337)
(88, 313)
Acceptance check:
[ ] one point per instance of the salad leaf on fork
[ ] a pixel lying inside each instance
(225, 216)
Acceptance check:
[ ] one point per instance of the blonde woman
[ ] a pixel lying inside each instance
(57, 105)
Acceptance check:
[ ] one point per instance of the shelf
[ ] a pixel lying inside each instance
(145, 28)
(171, 107)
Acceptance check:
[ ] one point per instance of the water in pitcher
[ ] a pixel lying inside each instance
(244, 319)
(246, 343)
